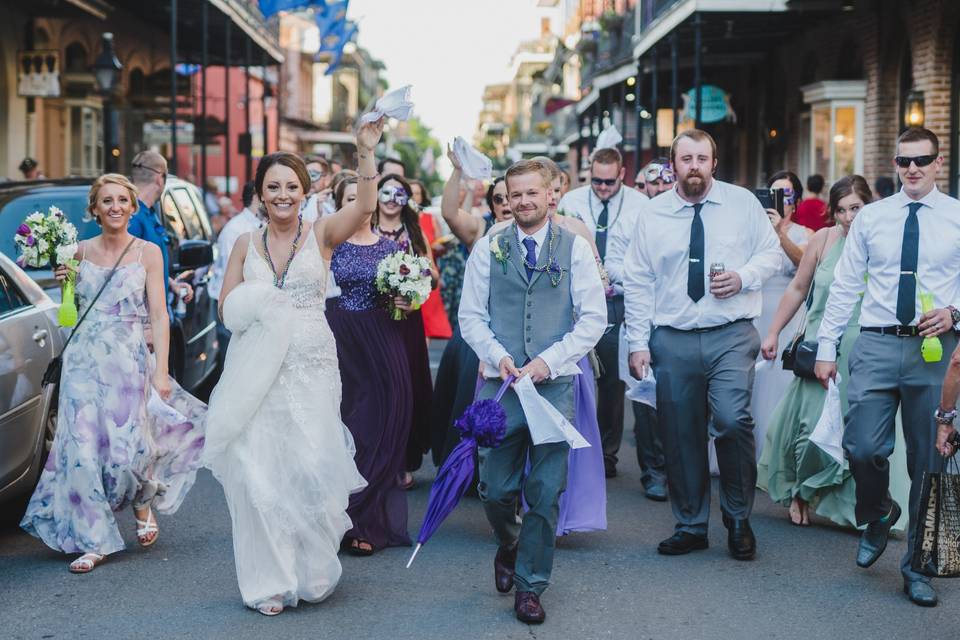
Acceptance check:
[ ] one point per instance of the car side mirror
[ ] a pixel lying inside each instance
(194, 254)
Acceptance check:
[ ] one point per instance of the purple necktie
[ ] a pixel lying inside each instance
(531, 246)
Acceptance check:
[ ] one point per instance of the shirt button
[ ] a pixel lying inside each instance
(529, 304)
(529, 339)
(530, 290)
(528, 316)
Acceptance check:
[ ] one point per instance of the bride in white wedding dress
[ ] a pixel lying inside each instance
(275, 440)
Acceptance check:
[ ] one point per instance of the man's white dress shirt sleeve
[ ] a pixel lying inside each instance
(639, 293)
(590, 309)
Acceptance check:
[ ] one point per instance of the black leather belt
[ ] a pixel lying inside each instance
(900, 330)
(713, 328)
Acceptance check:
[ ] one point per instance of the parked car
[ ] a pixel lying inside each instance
(194, 347)
(29, 339)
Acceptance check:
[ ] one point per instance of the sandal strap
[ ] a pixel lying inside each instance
(147, 526)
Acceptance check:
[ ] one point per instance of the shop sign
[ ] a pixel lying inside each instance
(156, 134)
(38, 73)
(716, 105)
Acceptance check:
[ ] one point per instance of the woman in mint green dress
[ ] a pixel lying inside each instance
(792, 470)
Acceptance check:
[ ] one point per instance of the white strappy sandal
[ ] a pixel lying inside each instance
(270, 607)
(86, 563)
(146, 527)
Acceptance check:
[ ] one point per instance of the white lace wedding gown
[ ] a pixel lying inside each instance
(275, 440)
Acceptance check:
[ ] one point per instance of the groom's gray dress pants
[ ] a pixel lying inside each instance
(701, 374)
(502, 479)
(887, 372)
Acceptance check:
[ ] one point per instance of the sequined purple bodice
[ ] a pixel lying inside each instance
(354, 267)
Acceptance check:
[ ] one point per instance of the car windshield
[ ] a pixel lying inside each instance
(14, 207)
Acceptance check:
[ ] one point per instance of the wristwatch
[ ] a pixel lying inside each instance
(945, 417)
(954, 316)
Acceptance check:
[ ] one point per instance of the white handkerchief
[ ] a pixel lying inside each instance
(642, 391)
(828, 432)
(546, 424)
(609, 138)
(475, 165)
(763, 365)
(395, 104)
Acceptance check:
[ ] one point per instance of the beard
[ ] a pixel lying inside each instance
(693, 188)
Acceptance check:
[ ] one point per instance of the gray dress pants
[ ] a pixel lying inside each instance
(887, 372)
(702, 374)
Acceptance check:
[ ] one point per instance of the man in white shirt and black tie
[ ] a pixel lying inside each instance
(610, 212)
(899, 250)
(693, 325)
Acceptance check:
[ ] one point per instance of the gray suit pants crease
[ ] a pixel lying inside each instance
(701, 375)
(887, 372)
(502, 479)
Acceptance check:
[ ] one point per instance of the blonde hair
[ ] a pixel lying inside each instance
(533, 165)
(104, 180)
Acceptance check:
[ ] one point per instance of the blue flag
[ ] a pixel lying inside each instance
(331, 16)
(271, 7)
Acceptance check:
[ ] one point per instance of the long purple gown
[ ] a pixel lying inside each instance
(377, 399)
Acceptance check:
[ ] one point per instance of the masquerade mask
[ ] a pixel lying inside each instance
(398, 195)
(656, 171)
(789, 196)
(316, 175)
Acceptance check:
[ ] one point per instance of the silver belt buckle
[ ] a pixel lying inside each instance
(903, 331)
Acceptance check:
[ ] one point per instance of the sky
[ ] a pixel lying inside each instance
(447, 49)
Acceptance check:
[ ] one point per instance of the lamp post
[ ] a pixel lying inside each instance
(913, 112)
(106, 70)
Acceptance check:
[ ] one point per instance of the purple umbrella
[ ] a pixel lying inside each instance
(483, 424)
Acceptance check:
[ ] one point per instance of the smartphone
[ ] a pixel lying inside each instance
(779, 199)
(771, 199)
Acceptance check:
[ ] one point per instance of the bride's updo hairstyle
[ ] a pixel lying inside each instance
(287, 159)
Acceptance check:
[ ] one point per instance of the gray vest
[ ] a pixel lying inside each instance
(529, 316)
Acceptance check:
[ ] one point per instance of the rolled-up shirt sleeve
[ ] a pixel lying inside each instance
(849, 283)
(474, 313)
(767, 253)
(590, 308)
(638, 287)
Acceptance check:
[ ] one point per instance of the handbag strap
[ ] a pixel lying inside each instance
(802, 326)
(97, 297)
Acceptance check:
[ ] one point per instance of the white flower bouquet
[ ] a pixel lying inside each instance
(51, 240)
(406, 275)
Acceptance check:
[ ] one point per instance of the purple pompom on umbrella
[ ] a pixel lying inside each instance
(23, 230)
(484, 423)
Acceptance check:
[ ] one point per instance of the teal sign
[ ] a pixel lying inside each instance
(716, 104)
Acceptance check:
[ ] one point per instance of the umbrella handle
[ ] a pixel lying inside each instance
(415, 552)
(503, 388)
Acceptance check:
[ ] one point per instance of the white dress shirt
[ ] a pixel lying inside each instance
(870, 265)
(737, 233)
(589, 306)
(244, 222)
(622, 212)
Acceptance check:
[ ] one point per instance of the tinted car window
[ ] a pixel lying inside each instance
(172, 216)
(10, 297)
(15, 207)
(188, 213)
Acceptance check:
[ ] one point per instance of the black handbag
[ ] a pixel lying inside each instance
(51, 376)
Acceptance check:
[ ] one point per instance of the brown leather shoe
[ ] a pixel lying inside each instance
(528, 608)
(504, 564)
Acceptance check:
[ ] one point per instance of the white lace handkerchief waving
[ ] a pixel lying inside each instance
(395, 104)
(475, 165)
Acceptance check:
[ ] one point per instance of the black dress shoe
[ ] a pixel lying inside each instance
(656, 492)
(920, 593)
(740, 539)
(609, 469)
(504, 564)
(528, 608)
(873, 540)
(681, 543)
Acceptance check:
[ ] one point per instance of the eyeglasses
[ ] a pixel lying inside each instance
(394, 194)
(499, 198)
(921, 161)
(157, 171)
(607, 182)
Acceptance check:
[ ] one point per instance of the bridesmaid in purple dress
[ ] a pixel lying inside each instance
(377, 402)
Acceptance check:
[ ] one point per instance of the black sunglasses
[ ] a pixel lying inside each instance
(921, 161)
(609, 182)
(499, 198)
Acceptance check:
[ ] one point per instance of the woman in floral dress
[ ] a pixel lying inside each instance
(127, 434)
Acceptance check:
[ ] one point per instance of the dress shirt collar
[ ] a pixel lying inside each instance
(714, 195)
(539, 237)
(929, 200)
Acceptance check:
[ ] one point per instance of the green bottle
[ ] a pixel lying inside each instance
(67, 313)
(931, 349)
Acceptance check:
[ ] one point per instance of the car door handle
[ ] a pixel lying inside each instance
(40, 337)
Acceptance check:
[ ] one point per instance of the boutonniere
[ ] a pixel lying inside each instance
(500, 250)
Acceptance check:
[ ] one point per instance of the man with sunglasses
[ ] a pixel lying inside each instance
(149, 175)
(610, 212)
(899, 251)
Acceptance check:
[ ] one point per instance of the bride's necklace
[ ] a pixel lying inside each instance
(279, 280)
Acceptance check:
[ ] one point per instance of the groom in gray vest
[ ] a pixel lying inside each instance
(532, 298)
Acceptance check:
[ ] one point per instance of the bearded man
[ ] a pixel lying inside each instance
(692, 279)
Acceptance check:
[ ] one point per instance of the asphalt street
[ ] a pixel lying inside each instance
(612, 584)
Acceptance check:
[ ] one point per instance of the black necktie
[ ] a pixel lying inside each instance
(602, 230)
(695, 267)
(909, 251)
